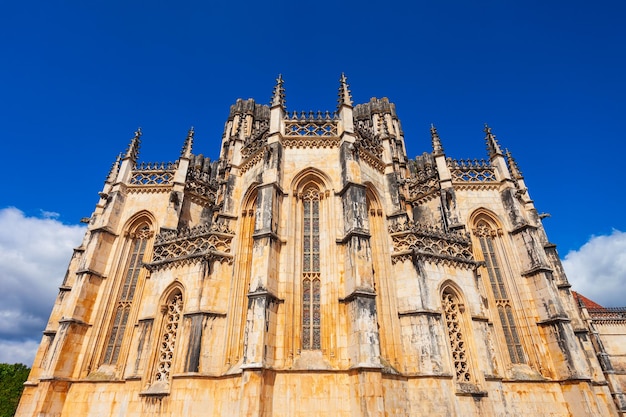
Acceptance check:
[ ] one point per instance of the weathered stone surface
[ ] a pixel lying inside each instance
(313, 269)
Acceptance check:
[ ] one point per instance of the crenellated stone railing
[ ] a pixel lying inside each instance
(608, 315)
(424, 178)
(190, 245)
(256, 139)
(153, 173)
(412, 240)
(200, 186)
(367, 139)
(311, 123)
(471, 170)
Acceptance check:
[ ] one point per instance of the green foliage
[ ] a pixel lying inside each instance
(12, 379)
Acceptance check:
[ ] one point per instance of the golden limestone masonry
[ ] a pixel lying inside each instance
(315, 270)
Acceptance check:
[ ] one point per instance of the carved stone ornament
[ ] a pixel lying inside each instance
(432, 244)
(204, 242)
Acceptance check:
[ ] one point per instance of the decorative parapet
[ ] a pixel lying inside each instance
(412, 240)
(608, 315)
(367, 138)
(424, 179)
(153, 173)
(253, 159)
(191, 245)
(311, 124)
(257, 139)
(372, 160)
(471, 170)
(200, 186)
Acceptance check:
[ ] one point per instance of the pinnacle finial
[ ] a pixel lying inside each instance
(515, 171)
(434, 136)
(345, 98)
(115, 167)
(133, 148)
(278, 96)
(188, 145)
(492, 144)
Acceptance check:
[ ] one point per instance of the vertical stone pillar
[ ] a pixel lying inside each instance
(363, 342)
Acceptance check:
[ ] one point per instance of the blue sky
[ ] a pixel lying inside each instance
(78, 78)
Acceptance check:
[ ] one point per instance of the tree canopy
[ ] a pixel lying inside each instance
(12, 378)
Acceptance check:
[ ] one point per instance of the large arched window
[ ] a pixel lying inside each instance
(135, 253)
(491, 248)
(311, 312)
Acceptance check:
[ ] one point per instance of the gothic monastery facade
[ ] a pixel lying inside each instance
(315, 270)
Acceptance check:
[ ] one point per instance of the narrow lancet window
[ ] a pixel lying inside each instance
(138, 243)
(452, 313)
(171, 320)
(311, 314)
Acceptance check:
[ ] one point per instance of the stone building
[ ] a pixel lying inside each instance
(607, 330)
(314, 269)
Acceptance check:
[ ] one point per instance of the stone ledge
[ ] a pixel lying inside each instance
(420, 312)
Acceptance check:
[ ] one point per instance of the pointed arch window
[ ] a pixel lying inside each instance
(311, 310)
(134, 260)
(489, 242)
(453, 311)
(172, 312)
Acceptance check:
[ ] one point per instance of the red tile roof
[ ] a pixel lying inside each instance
(585, 301)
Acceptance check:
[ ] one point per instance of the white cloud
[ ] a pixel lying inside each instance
(34, 254)
(49, 214)
(598, 269)
(18, 351)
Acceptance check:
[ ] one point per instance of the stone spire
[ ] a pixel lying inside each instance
(114, 169)
(434, 136)
(278, 96)
(188, 145)
(492, 144)
(515, 171)
(345, 98)
(132, 152)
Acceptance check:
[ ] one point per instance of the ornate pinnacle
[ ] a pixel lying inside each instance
(133, 148)
(515, 171)
(492, 144)
(344, 92)
(434, 136)
(114, 169)
(188, 145)
(278, 96)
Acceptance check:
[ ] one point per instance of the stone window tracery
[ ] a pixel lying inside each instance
(488, 238)
(453, 311)
(171, 320)
(138, 244)
(311, 284)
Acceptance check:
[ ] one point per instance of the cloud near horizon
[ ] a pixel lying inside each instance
(34, 254)
(35, 251)
(598, 269)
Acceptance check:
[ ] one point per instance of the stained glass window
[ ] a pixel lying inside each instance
(138, 243)
(311, 312)
(487, 238)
